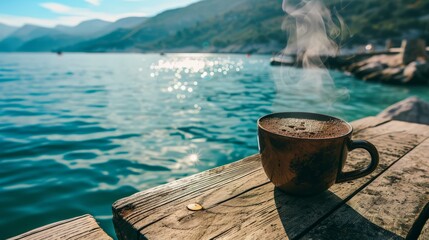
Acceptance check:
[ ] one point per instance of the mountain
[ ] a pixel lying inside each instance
(86, 28)
(374, 20)
(35, 39)
(226, 26)
(255, 26)
(27, 32)
(49, 42)
(5, 30)
(126, 23)
(162, 25)
(115, 31)
(96, 28)
(100, 44)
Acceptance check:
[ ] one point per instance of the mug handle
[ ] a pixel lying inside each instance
(346, 176)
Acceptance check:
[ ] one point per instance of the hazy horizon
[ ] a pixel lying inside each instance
(71, 13)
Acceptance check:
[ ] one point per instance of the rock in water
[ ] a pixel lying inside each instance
(411, 66)
(417, 73)
(369, 68)
(411, 109)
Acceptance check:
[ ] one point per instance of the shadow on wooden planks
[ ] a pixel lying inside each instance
(287, 206)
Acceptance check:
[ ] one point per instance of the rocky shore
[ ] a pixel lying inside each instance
(411, 109)
(409, 66)
(406, 65)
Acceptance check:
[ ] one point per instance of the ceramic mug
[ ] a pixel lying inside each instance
(306, 165)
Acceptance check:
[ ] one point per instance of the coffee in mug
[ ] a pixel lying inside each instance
(305, 128)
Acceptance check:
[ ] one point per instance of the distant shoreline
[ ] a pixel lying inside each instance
(166, 53)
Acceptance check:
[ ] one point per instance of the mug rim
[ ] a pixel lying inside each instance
(305, 138)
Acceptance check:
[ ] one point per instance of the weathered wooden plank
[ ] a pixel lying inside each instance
(368, 122)
(394, 126)
(386, 208)
(240, 202)
(147, 207)
(288, 216)
(83, 227)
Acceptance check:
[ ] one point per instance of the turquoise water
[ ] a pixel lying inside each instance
(79, 131)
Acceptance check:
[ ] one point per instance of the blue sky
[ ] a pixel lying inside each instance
(71, 12)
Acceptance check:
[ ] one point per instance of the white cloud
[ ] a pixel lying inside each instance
(94, 2)
(55, 7)
(67, 10)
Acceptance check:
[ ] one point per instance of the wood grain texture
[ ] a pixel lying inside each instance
(83, 227)
(294, 216)
(386, 208)
(239, 202)
(368, 122)
(150, 206)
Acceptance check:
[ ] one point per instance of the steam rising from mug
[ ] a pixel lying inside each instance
(312, 32)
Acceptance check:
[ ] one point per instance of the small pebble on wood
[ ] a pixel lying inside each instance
(195, 207)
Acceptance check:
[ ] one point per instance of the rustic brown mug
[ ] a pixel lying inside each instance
(306, 165)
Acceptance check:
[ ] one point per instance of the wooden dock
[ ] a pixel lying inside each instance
(239, 202)
(83, 227)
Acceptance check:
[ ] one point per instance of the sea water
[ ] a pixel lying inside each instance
(80, 131)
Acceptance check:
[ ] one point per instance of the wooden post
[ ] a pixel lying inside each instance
(413, 49)
(389, 44)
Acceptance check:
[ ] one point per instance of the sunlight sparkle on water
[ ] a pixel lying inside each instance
(175, 69)
(188, 160)
(193, 158)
